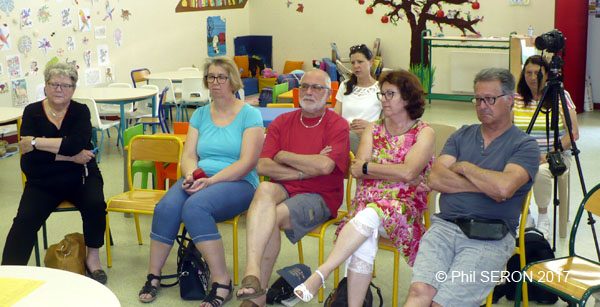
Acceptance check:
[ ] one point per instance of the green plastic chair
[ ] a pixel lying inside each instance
(279, 89)
(143, 167)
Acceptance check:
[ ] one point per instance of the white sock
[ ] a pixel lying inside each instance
(542, 216)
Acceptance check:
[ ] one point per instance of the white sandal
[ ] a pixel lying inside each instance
(304, 294)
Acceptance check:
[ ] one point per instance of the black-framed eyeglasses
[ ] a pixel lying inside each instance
(490, 100)
(220, 78)
(389, 95)
(357, 47)
(63, 86)
(314, 87)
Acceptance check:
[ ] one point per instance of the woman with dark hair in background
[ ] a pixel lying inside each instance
(357, 98)
(529, 89)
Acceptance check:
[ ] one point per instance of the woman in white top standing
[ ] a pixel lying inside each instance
(357, 98)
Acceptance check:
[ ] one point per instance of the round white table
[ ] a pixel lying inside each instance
(176, 76)
(60, 288)
(10, 114)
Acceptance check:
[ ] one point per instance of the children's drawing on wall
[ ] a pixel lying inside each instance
(44, 14)
(3, 87)
(40, 94)
(103, 55)
(7, 6)
(60, 52)
(72, 63)
(33, 69)
(70, 43)
(109, 11)
(300, 8)
(85, 40)
(108, 74)
(66, 17)
(87, 58)
(84, 20)
(4, 38)
(215, 30)
(125, 14)
(13, 66)
(44, 44)
(26, 20)
(1, 69)
(92, 76)
(19, 92)
(118, 36)
(100, 32)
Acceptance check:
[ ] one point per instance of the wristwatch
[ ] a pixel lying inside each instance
(365, 168)
(33, 142)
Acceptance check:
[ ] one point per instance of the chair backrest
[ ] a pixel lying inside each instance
(188, 69)
(122, 85)
(130, 132)
(335, 85)
(241, 95)
(290, 66)
(155, 148)
(279, 89)
(165, 83)
(332, 98)
(296, 97)
(143, 105)
(349, 180)
(193, 90)
(139, 75)
(591, 204)
(442, 133)
(93, 107)
(128, 107)
(181, 127)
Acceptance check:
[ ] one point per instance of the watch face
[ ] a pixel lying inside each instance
(33, 142)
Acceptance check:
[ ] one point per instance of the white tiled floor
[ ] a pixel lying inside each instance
(130, 260)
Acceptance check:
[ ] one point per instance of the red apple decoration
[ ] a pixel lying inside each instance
(439, 14)
(369, 10)
(361, 2)
(475, 5)
(385, 19)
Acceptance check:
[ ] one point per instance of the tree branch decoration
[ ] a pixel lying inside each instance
(417, 13)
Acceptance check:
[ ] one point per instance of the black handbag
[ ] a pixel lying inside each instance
(193, 274)
(339, 296)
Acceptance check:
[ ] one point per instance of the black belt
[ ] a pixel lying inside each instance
(481, 229)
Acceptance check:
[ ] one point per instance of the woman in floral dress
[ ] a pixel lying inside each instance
(393, 159)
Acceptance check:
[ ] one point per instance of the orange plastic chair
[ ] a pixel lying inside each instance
(296, 97)
(181, 127)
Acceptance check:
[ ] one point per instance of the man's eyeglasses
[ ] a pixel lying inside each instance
(490, 101)
(314, 87)
(389, 95)
(357, 47)
(65, 86)
(220, 79)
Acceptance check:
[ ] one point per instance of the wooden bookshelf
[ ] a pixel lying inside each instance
(206, 5)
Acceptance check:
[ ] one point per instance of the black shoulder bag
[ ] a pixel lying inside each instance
(339, 296)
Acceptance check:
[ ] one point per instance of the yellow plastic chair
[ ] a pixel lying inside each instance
(280, 105)
(319, 231)
(236, 268)
(156, 148)
(574, 278)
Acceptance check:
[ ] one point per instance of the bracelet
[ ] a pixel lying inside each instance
(365, 168)
(300, 174)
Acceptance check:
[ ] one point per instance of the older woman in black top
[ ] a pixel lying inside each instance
(59, 164)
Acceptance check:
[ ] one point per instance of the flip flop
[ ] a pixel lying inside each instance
(251, 282)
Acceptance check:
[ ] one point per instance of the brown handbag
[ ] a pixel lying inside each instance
(68, 254)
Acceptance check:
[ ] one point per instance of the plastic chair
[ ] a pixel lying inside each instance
(169, 100)
(155, 148)
(181, 127)
(194, 93)
(98, 124)
(574, 277)
(143, 167)
(188, 69)
(280, 105)
(142, 107)
(160, 120)
(139, 75)
(319, 231)
(520, 250)
(241, 95)
(236, 268)
(115, 110)
(290, 66)
(296, 97)
(279, 89)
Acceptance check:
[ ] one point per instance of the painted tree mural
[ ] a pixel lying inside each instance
(418, 13)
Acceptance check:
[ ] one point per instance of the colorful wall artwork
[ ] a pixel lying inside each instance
(215, 30)
(13, 66)
(4, 37)
(19, 92)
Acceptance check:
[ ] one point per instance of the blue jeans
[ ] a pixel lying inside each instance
(199, 212)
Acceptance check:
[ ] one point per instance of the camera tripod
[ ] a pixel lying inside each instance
(553, 90)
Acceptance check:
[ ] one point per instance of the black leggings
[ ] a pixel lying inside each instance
(38, 202)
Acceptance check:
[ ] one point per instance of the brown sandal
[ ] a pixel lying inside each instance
(248, 303)
(251, 282)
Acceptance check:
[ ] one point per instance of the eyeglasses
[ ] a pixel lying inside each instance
(357, 47)
(315, 87)
(389, 95)
(490, 101)
(220, 79)
(55, 86)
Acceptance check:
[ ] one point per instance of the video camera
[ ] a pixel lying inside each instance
(553, 41)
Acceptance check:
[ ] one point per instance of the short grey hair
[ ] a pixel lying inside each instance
(325, 74)
(61, 70)
(231, 68)
(507, 80)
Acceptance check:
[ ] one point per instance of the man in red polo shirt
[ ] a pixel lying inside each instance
(306, 155)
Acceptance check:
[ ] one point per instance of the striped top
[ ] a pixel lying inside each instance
(523, 115)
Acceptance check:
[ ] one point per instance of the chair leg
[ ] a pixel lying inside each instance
(235, 251)
(396, 270)
(101, 145)
(321, 258)
(37, 251)
(108, 246)
(137, 228)
(489, 299)
(44, 236)
(300, 253)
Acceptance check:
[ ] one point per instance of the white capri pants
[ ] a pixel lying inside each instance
(368, 223)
